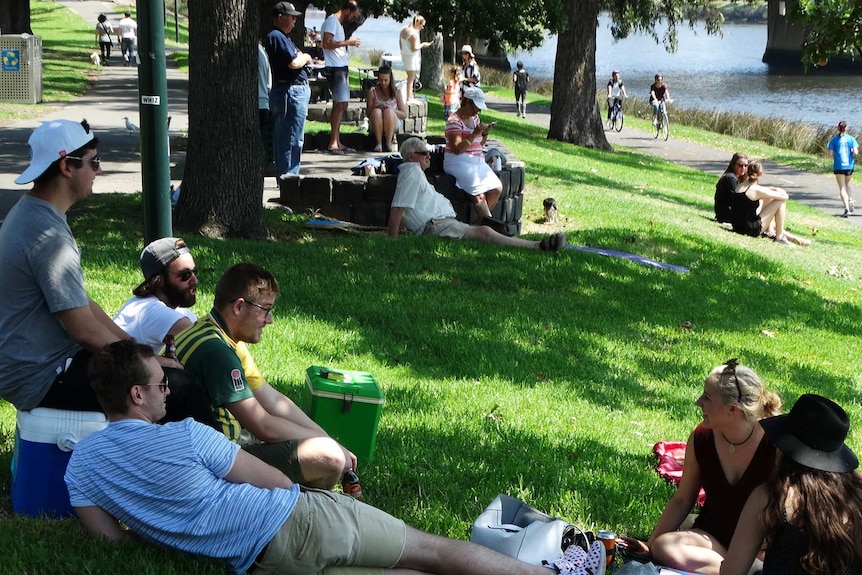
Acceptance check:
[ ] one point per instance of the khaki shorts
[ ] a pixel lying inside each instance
(332, 534)
(446, 228)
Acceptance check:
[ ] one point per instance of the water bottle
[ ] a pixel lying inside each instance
(498, 164)
(170, 347)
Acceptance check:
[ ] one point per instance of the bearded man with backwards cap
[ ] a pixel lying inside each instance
(160, 304)
(48, 324)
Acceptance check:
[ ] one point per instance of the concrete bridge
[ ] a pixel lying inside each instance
(784, 40)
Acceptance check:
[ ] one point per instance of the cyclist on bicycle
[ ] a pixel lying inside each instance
(658, 93)
(616, 92)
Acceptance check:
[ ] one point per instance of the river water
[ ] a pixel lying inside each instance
(706, 72)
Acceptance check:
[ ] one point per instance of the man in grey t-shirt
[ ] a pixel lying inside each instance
(48, 323)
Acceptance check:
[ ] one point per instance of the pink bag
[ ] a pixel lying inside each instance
(671, 457)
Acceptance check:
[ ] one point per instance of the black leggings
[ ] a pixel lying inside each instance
(188, 398)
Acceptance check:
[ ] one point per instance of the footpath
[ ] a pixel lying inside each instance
(113, 95)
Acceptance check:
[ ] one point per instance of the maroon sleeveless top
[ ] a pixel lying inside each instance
(724, 502)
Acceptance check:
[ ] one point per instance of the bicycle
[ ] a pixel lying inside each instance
(617, 118)
(662, 125)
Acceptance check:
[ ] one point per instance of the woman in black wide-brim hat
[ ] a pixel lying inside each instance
(810, 512)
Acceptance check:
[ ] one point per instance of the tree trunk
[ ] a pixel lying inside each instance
(574, 115)
(431, 74)
(15, 17)
(222, 191)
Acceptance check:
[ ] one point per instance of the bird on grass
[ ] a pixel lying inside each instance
(550, 205)
(130, 126)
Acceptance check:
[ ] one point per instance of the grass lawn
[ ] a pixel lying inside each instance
(509, 371)
(545, 377)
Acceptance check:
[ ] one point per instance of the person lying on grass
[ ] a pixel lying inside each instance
(728, 455)
(186, 486)
(420, 209)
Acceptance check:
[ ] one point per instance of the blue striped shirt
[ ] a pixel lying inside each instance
(166, 483)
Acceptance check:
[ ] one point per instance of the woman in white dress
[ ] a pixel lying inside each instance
(411, 50)
(464, 158)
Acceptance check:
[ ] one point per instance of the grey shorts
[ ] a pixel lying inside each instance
(446, 228)
(282, 455)
(339, 85)
(331, 534)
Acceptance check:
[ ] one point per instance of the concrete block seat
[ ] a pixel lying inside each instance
(416, 123)
(366, 200)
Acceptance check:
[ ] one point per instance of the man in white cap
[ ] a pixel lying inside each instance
(48, 324)
(160, 305)
(418, 208)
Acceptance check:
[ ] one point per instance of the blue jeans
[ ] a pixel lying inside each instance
(289, 107)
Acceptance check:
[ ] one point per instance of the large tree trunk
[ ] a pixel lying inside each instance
(15, 17)
(222, 192)
(574, 115)
(431, 75)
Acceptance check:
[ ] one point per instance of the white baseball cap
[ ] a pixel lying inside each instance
(50, 142)
(476, 95)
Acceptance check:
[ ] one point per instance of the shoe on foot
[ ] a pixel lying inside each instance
(596, 559)
(783, 241)
(378, 148)
(852, 203)
(554, 243)
(846, 213)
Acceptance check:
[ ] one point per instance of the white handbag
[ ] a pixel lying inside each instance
(518, 530)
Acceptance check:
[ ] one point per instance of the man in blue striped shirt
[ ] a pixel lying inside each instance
(186, 486)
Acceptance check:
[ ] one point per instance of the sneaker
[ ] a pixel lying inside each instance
(846, 214)
(596, 559)
(852, 204)
(783, 241)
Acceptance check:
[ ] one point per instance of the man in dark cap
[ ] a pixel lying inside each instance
(290, 93)
(160, 305)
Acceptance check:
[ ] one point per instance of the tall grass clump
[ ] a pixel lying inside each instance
(798, 136)
(374, 57)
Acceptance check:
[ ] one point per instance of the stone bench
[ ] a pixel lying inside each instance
(416, 122)
(366, 200)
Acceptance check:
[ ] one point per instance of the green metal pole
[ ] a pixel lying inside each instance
(153, 105)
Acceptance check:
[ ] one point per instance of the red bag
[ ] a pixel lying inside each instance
(671, 457)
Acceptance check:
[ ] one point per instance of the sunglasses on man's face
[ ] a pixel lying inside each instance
(186, 275)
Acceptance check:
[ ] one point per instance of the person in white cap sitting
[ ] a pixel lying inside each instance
(49, 326)
(420, 209)
(464, 158)
(160, 304)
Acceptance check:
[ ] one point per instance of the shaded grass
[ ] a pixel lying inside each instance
(511, 371)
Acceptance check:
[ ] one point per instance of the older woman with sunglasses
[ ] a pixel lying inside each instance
(728, 455)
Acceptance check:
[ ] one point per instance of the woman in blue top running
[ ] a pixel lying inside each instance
(843, 150)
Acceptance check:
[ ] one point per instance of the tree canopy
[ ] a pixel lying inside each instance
(832, 28)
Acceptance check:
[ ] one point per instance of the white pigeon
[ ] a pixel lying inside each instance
(363, 125)
(130, 126)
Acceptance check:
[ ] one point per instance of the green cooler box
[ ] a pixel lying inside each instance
(347, 404)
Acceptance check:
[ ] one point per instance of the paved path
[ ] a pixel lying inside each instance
(817, 190)
(113, 95)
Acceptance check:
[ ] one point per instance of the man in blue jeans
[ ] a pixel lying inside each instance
(288, 99)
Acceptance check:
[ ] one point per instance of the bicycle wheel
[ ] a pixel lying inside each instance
(665, 126)
(618, 122)
(657, 126)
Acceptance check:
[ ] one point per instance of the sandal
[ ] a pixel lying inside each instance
(554, 243)
(378, 148)
(335, 152)
(347, 150)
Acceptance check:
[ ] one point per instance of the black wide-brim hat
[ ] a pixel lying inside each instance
(813, 434)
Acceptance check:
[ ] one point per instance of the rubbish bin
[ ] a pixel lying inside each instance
(20, 68)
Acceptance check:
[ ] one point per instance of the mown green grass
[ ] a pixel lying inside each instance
(510, 371)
